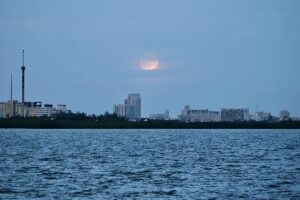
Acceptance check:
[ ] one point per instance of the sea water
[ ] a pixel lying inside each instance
(149, 164)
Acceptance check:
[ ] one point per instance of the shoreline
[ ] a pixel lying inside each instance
(46, 123)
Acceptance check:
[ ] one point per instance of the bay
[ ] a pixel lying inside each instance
(149, 164)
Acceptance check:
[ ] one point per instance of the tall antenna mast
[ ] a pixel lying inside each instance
(11, 90)
(23, 80)
(23, 57)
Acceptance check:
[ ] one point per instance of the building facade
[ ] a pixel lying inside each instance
(160, 116)
(262, 116)
(195, 115)
(46, 111)
(284, 115)
(32, 108)
(12, 109)
(234, 114)
(28, 109)
(131, 109)
(119, 110)
(2, 110)
(61, 108)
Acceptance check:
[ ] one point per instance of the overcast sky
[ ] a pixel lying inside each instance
(212, 54)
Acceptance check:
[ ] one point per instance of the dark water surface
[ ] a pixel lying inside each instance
(149, 164)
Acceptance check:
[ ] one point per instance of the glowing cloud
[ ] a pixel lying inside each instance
(149, 65)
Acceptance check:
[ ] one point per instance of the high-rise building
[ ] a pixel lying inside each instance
(234, 114)
(119, 110)
(131, 109)
(194, 115)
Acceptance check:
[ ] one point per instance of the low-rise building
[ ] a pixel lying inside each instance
(32, 108)
(262, 116)
(61, 108)
(33, 104)
(160, 116)
(47, 110)
(296, 118)
(35, 109)
(2, 110)
(12, 108)
(193, 115)
(21, 110)
(284, 115)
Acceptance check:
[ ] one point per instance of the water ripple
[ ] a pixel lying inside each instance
(149, 164)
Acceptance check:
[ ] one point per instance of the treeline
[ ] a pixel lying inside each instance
(112, 121)
(83, 116)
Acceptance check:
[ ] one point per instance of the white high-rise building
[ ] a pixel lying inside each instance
(133, 106)
(131, 109)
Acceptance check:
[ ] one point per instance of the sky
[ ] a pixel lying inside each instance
(212, 54)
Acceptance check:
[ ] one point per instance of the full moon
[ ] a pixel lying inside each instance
(149, 65)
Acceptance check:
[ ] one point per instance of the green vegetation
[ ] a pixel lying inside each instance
(106, 121)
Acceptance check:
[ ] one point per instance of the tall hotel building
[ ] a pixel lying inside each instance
(131, 109)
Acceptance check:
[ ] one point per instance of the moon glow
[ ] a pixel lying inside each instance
(149, 65)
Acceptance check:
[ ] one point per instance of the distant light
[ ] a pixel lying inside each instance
(149, 65)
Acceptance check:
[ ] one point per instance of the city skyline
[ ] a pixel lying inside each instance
(210, 55)
(131, 110)
(123, 111)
